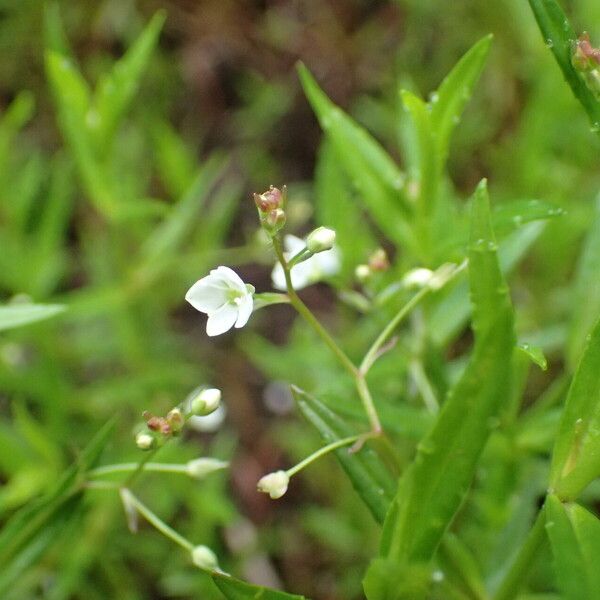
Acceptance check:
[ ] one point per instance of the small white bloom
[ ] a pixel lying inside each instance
(323, 264)
(206, 402)
(201, 467)
(205, 558)
(362, 273)
(210, 423)
(275, 484)
(320, 240)
(224, 297)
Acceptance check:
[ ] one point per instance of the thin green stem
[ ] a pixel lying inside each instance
(158, 523)
(307, 315)
(322, 451)
(128, 467)
(372, 352)
(521, 566)
(140, 467)
(367, 401)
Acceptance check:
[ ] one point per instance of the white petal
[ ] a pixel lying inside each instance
(303, 274)
(229, 277)
(328, 262)
(293, 244)
(221, 320)
(278, 278)
(205, 296)
(244, 311)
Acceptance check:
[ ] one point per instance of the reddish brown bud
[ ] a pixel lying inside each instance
(269, 201)
(585, 56)
(379, 261)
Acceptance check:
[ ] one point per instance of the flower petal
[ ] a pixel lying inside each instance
(278, 278)
(293, 244)
(221, 320)
(229, 277)
(244, 311)
(205, 296)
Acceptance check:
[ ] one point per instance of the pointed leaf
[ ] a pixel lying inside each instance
(234, 589)
(366, 164)
(448, 103)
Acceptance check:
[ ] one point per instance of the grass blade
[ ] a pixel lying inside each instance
(234, 589)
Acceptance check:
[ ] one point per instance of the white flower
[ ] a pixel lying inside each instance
(318, 266)
(417, 278)
(224, 297)
(275, 484)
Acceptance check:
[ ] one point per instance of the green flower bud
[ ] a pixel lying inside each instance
(206, 402)
(320, 240)
(275, 484)
(145, 440)
(204, 558)
(201, 467)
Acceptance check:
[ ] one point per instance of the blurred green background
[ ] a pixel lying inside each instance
(117, 219)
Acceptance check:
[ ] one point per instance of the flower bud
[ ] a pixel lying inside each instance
(145, 440)
(269, 201)
(378, 261)
(417, 278)
(201, 467)
(273, 221)
(175, 420)
(204, 558)
(320, 240)
(362, 273)
(275, 484)
(206, 402)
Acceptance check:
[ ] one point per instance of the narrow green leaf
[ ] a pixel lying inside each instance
(366, 164)
(510, 216)
(535, 354)
(23, 314)
(448, 103)
(165, 240)
(574, 536)
(576, 457)
(370, 479)
(24, 537)
(559, 36)
(234, 589)
(426, 160)
(116, 91)
(436, 483)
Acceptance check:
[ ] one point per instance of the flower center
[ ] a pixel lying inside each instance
(234, 297)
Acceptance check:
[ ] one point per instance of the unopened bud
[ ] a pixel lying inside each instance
(378, 261)
(145, 440)
(442, 275)
(206, 402)
(320, 240)
(204, 558)
(362, 273)
(417, 278)
(201, 467)
(275, 484)
(274, 221)
(175, 420)
(585, 56)
(270, 200)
